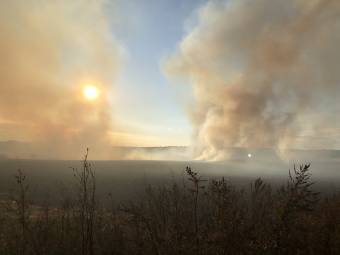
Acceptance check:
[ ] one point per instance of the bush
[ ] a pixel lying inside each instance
(197, 217)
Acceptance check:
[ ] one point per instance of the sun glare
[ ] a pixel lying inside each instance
(90, 92)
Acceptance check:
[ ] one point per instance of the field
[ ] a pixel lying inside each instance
(124, 179)
(168, 207)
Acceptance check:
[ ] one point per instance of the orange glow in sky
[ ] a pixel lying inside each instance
(90, 92)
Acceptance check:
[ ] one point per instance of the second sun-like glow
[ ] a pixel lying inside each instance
(90, 92)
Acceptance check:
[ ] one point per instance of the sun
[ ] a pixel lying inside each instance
(90, 92)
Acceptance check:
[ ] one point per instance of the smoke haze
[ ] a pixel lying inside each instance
(48, 50)
(264, 74)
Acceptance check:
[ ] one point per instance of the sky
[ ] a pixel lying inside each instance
(150, 31)
(207, 74)
(54, 48)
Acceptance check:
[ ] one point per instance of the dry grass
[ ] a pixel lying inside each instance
(196, 217)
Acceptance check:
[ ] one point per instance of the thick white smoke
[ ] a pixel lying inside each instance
(264, 73)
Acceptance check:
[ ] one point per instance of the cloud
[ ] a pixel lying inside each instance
(263, 73)
(48, 50)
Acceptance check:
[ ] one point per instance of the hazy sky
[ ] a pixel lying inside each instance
(149, 108)
(213, 74)
(118, 45)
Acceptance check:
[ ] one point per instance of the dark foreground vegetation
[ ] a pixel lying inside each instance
(194, 217)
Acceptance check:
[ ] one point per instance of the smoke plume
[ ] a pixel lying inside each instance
(264, 73)
(48, 50)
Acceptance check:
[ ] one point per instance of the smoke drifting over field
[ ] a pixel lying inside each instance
(265, 73)
(48, 49)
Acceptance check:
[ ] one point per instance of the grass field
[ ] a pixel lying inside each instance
(125, 179)
(165, 207)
